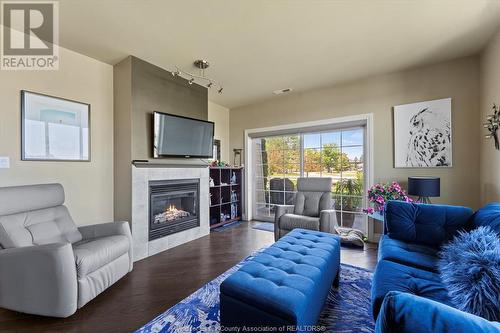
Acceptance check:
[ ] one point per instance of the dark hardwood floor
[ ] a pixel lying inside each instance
(158, 282)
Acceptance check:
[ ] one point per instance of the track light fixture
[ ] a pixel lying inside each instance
(192, 78)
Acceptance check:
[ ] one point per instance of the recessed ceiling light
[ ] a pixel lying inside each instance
(282, 91)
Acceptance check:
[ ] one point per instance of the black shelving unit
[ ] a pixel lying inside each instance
(226, 195)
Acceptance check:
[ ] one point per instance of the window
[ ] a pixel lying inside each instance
(339, 154)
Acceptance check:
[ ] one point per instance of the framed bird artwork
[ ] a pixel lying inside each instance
(422, 134)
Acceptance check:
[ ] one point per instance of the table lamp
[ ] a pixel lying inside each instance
(424, 188)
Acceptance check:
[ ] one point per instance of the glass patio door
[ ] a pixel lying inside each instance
(277, 167)
(339, 154)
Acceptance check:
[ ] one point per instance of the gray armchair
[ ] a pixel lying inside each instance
(48, 266)
(312, 209)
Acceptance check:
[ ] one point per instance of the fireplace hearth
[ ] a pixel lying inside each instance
(173, 206)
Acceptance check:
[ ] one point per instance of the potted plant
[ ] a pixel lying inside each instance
(349, 191)
(379, 194)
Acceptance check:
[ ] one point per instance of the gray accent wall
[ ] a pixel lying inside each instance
(140, 88)
(155, 89)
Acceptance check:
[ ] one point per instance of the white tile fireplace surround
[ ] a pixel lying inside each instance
(141, 176)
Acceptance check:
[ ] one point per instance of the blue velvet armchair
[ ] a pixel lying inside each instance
(407, 292)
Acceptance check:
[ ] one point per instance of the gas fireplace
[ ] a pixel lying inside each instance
(173, 206)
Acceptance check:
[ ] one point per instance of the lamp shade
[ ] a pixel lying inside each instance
(424, 186)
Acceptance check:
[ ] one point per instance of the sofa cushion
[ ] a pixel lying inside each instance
(391, 276)
(292, 221)
(22, 229)
(91, 255)
(46, 233)
(415, 255)
(402, 312)
(424, 224)
(489, 215)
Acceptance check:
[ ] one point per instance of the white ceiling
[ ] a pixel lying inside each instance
(258, 46)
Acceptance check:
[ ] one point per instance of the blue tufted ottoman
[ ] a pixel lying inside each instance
(285, 286)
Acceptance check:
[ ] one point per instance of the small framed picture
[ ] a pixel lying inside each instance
(54, 129)
(216, 152)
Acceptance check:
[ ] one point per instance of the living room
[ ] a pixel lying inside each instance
(273, 166)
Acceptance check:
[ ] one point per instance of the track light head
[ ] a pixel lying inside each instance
(191, 80)
(209, 85)
(177, 72)
(220, 90)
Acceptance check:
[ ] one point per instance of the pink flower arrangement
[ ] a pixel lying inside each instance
(379, 194)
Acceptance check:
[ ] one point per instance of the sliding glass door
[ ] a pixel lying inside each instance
(339, 154)
(277, 167)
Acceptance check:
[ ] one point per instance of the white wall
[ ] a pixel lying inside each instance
(88, 185)
(220, 115)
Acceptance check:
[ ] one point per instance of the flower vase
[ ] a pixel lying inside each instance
(379, 208)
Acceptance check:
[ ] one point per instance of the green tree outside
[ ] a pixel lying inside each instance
(334, 159)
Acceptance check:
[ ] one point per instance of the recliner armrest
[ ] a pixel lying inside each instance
(39, 280)
(328, 221)
(280, 211)
(407, 313)
(109, 229)
(105, 229)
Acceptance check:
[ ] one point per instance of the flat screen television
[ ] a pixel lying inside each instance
(177, 136)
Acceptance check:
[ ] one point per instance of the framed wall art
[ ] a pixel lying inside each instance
(54, 129)
(422, 134)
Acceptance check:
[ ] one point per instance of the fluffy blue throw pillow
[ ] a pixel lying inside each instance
(470, 269)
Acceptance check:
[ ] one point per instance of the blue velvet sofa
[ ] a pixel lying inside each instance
(407, 292)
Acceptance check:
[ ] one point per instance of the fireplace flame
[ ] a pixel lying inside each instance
(171, 213)
(172, 209)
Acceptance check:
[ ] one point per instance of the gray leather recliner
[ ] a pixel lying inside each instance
(48, 266)
(313, 208)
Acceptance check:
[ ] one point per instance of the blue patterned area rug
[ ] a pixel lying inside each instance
(347, 309)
